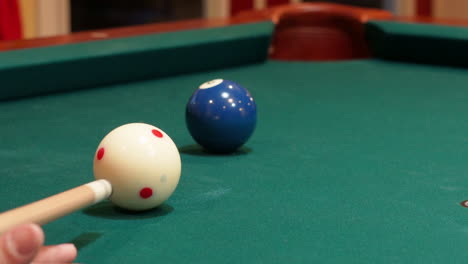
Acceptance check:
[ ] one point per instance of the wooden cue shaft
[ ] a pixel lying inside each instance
(56, 206)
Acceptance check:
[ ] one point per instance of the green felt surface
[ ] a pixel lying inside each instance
(351, 162)
(421, 43)
(71, 67)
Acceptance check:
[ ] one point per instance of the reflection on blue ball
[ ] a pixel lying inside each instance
(221, 115)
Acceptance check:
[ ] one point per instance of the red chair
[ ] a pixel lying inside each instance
(10, 22)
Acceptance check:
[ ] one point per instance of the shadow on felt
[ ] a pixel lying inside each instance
(107, 210)
(85, 239)
(197, 150)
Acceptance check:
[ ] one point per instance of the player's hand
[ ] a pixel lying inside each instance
(25, 244)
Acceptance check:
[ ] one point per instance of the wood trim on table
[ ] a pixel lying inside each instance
(320, 31)
(245, 17)
(432, 20)
(122, 32)
(274, 14)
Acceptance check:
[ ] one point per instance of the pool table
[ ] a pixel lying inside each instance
(360, 154)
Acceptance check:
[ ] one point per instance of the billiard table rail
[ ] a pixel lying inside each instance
(304, 32)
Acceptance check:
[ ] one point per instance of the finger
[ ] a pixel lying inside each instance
(20, 245)
(63, 253)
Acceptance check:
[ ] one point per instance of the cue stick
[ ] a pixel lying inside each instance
(56, 206)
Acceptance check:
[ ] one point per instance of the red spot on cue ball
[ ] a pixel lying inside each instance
(157, 133)
(100, 154)
(146, 193)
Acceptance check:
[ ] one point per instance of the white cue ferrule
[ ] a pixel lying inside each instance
(56, 206)
(102, 189)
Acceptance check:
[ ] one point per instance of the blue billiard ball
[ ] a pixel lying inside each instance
(221, 115)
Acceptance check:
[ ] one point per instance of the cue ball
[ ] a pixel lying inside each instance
(221, 115)
(142, 164)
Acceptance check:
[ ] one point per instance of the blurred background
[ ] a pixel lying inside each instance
(42, 18)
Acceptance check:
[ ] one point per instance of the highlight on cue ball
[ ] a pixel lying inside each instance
(221, 115)
(142, 164)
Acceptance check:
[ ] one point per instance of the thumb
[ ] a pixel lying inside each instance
(21, 244)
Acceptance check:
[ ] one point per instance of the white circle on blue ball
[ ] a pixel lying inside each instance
(211, 84)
